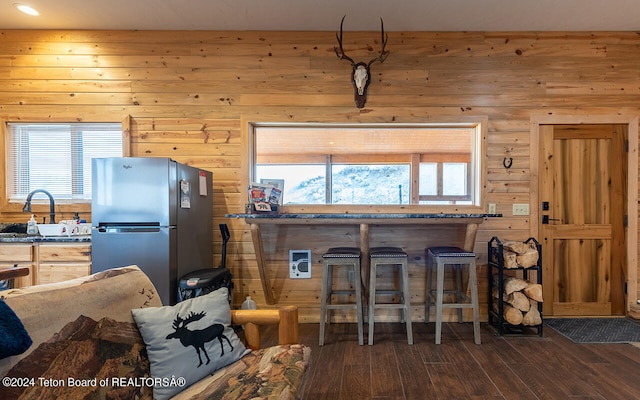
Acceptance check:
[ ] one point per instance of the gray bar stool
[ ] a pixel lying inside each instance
(393, 256)
(450, 255)
(340, 257)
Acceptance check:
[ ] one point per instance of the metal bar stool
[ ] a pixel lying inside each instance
(336, 257)
(450, 255)
(393, 256)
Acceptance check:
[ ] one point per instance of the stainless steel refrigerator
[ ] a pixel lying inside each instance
(152, 212)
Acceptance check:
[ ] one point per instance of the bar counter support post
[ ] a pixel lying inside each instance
(256, 236)
(470, 236)
(365, 269)
(469, 244)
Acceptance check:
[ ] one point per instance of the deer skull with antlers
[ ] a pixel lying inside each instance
(360, 74)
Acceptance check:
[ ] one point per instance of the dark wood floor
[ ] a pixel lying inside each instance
(508, 367)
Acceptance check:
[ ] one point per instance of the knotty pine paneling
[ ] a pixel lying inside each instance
(186, 93)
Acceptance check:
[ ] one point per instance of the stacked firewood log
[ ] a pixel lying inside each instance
(520, 301)
(521, 297)
(518, 254)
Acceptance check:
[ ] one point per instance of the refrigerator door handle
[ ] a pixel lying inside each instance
(132, 229)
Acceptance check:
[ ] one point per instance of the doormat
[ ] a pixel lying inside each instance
(596, 330)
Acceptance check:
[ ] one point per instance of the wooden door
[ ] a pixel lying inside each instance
(582, 190)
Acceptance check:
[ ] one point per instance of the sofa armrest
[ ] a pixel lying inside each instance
(286, 318)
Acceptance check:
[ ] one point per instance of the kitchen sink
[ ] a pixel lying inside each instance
(14, 228)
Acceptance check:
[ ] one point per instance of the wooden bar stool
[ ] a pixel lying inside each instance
(449, 255)
(393, 256)
(340, 257)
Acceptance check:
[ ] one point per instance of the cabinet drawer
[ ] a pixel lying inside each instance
(49, 273)
(64, 252)
(15, 253)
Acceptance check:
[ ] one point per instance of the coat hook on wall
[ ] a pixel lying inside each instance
(507, 164)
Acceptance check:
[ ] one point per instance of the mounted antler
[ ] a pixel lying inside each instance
(360, 74)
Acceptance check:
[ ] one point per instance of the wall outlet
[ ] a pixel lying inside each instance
(520, 209)
(492, 209)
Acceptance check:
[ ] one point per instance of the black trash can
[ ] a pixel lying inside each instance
(203, 281)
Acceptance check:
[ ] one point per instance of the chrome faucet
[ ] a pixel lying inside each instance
(52, 212)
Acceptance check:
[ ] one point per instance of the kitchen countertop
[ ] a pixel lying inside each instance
(14, 233)
(21, 238)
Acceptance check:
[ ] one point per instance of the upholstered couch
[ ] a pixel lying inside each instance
(107, 336)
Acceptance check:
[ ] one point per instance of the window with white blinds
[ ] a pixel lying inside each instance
(57, 157)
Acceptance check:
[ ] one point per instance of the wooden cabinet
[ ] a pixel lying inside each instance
(48, 261)
(21, 254)
(61, 261)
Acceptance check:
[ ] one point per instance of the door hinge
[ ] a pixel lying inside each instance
(625, 287)
(626, 221)
(626, 145)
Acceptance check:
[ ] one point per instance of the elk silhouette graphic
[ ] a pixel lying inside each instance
(197, 338)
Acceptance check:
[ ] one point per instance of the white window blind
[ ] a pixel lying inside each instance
(57, 157)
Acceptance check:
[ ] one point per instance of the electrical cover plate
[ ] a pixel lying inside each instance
(521, 209)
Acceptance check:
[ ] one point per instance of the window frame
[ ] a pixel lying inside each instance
(440, 187)
(477, 171)
(41, 205)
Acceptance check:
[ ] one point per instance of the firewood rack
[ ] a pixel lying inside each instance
(495, 256)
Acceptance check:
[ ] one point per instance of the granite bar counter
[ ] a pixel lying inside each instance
(364, 220)
(350, 217)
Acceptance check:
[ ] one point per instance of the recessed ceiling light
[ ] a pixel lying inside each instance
(26, 9)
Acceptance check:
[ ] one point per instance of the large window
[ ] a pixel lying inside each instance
(373, 164)
(57, 157)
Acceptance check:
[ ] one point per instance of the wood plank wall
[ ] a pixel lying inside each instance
(186, 94)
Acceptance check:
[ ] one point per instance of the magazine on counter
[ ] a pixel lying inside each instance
(260, 196)
(275, 198)
(277, 189)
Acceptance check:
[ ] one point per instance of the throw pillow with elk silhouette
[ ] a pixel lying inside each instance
(188, 341)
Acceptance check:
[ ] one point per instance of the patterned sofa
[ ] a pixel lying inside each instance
(87, 345)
